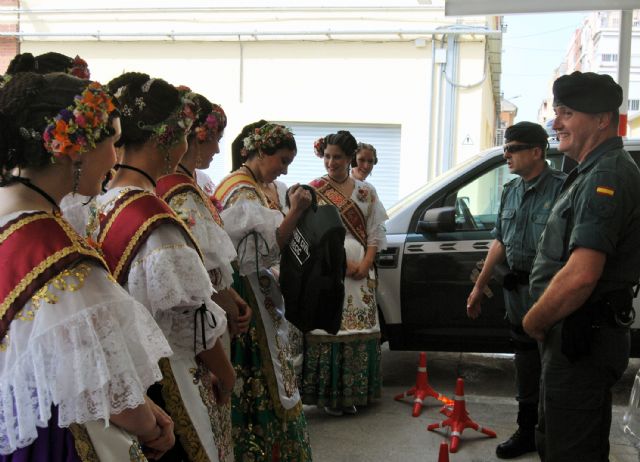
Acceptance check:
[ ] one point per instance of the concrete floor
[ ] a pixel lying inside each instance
(386, 431)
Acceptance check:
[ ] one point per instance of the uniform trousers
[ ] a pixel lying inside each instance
(575, 397)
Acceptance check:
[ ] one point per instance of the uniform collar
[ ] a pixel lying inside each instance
(538, 181)
(606, 146)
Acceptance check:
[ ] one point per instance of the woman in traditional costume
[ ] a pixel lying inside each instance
(268, 423)
(154, 255)
(363, 161)
(73, 204)
(342, 371)
(76, 351)
(183, 194)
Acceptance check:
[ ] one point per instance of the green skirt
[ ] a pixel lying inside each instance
(262, 429)
(341, 371)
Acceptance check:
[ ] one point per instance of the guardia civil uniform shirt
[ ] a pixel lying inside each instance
(523, 214)
(599, 209)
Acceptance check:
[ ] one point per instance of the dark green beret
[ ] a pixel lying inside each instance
(587, 92)
(527, 132)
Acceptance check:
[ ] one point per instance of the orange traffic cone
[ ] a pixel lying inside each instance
(443, 456)
(459, 419)
(422, 388)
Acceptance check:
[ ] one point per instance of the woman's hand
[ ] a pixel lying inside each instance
(244, 318)
(163, 438)
(299, 199)
(361, 271)
(352, 267)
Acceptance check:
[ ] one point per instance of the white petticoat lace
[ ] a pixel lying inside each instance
(91, 362)
(251, 225)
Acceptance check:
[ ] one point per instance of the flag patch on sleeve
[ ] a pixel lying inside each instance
(605, 191)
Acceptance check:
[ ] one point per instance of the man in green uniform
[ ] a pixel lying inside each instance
(524, 209)
(588, 260)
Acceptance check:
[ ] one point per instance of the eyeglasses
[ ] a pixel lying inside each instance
(512, 148)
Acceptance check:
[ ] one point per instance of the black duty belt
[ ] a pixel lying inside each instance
(514, 278)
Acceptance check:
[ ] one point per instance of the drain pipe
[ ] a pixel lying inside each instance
(430, 163)
(450, 102)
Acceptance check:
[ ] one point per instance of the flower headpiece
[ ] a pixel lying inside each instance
(318, 147)
(267, 136)
(215, 122)
(77, 128)
(170, 130)
(79, 68)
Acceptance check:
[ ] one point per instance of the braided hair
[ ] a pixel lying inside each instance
(47, 63)
(343, 139)
(238, 143)
(143, 102)
(27, 100)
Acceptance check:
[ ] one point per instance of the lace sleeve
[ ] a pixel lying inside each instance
(216, 246)
(168, 277)
(252, 228)
(81, 343)
(376, 231)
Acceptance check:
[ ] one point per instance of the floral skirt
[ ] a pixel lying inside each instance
(341, 371)
(260, 431)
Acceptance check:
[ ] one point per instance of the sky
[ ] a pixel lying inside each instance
(533, 47)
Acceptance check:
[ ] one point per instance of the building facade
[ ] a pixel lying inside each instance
(424, 89)
(594, 48)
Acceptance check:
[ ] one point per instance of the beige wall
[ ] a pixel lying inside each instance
(332, 81)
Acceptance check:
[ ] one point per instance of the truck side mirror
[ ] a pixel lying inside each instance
(438, 220)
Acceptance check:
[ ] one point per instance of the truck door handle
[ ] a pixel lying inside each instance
(387, 258)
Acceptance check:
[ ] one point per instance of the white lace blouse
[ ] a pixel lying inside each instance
(81, 343)
(168, 277)
(216, 246)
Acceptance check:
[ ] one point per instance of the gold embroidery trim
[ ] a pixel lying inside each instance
(267, 363)
(20, 223)
(158, 250)
(116, 212)
(184, 428)
(32, 275)
(82, 442)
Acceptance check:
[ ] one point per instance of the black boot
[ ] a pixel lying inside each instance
(521, 442)
(524, 439)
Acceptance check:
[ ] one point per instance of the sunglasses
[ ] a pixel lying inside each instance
(512, 148)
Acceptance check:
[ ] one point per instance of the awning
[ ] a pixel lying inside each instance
(500, 7)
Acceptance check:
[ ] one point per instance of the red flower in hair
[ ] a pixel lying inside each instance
(79, 68)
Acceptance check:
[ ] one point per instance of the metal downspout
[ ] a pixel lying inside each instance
(450, 103)
(431, 171)
(441, 80)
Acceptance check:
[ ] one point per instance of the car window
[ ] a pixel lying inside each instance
(477, 202)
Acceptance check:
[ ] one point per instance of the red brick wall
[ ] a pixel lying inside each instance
(9, 46)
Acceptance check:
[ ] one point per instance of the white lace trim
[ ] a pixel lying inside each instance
(173, 283)
(216, 246)
(98, 362)
(162, 278)
(243, 219)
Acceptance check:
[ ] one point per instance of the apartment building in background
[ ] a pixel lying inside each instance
(594, 48)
